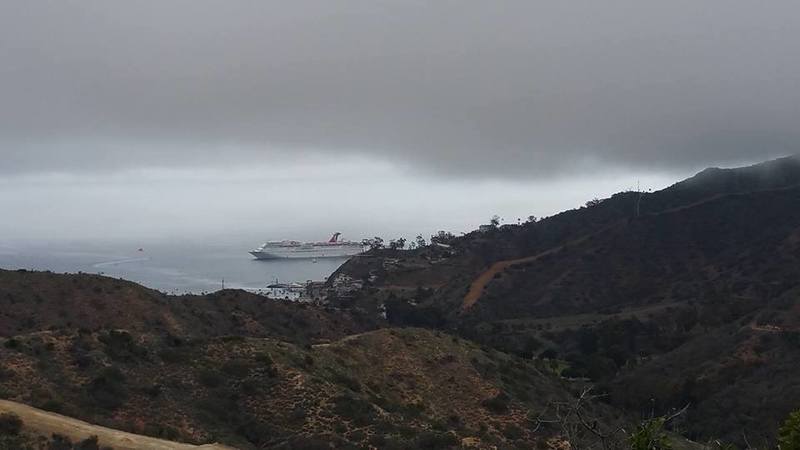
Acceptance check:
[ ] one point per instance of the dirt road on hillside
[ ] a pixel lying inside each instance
(483, 280)
(477, 286)
(341, 341)
(47, 423)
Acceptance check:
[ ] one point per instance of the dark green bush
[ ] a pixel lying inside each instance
(497, 404)
(120, 346)
(265, 360)
(12, 344)
(10, 424)
(162, 431)
(346, 381)
(210, 378)
(108, 389)
(354, 409)
(789, 433)
(650, 435)
(90, 443)
(59, 442)
(434, 441)
(512, 432)
(237, 368)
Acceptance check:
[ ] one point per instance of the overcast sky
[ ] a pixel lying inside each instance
(173, 108)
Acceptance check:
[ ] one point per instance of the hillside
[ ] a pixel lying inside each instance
(237, 368)
(389, 388)
(37, 427)
(692, 301)
(567, 329)
(37, 301)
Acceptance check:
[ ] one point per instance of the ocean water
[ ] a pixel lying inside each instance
(171, 267)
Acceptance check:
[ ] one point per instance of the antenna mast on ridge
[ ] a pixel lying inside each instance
(638, 197)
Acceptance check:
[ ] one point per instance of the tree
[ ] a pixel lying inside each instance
(577, 425)
(397, 244)
(531, 219)
(789, 432)
(420, 241)
(375, 243)
(494, 221)
(442, 237)
(593, 202)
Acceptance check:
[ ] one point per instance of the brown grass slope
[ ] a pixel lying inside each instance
(390, 388)
(43, 424)
(37, 301)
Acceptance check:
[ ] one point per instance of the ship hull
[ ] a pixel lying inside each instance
(311, 253)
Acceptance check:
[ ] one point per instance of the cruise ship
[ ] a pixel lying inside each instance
(333, 248)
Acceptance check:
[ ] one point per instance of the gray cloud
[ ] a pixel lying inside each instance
(462, 87)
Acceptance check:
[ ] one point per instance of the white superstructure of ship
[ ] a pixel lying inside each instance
(333, 248)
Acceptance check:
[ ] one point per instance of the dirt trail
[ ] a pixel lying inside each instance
(47, 423)
(477, 286)
(341, 341)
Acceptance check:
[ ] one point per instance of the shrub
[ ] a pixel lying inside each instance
(120, 346)
(161, 430)
(433, 440)
(649, 435)
(54, 405)
(351, 408)
(88, 444)
(256, 432)
(789, 433)
(548, 354)
(153, 390)
(210, 378)
(12, 344)
(59, 442)
(345, 380)
(265, 360)
(237, 368)
(221, 405)
(10, 424)
(175, 355)
(497, 404)
(513, 432)
(108, 388)
(14, 443)
(310, 443)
